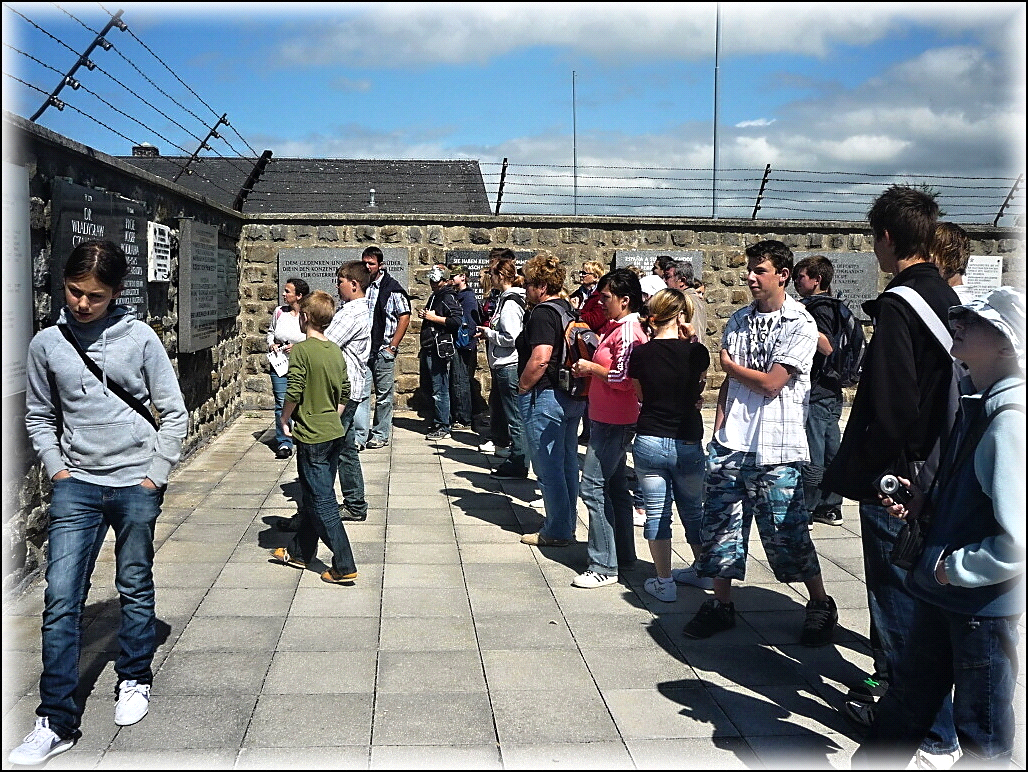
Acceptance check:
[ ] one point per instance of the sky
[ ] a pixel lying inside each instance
(605, 95)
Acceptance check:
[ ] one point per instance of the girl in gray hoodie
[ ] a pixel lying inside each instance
(109, 465)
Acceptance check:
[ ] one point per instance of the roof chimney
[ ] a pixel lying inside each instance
(146, 150)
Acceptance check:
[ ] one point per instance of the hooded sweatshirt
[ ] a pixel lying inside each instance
(104, 441)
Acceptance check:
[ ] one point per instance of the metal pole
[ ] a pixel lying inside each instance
(574, 138)
(499, 191)
(717, 57)
(1010, 195)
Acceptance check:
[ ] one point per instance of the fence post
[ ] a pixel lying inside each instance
(499, 191)
(760, 193)
(1010, 195)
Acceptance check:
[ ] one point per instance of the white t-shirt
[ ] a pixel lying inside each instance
(741, 428)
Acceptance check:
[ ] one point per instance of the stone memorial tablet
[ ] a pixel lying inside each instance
(318, 265)
(17, 327)
(983, 274)
(474, 260)
(83, 214)
(856, 278)
(228, 284)
(198, 286)
(645, 258)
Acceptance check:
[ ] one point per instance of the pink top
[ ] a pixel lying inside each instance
(612, 401)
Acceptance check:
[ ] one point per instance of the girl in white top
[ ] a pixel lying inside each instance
(282, 334)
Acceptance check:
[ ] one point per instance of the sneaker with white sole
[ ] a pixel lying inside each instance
(591, 579)
(925, 760)
(40, 744)
(487, 447)
(661, 590)
(133, 703)
(689, 576)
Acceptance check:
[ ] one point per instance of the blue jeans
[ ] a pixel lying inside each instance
(508, 415)
(822, 427)
(607, 499)
(80, 514)
(499, 432)
(891, 609)
(351, 476)
(382, 370)
(976, 658)
(439, 373)
(278, 387)
(462, 370)
(551, 421)
(670, 469)
(316, 466)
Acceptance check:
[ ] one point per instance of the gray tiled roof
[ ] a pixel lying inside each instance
(319, 185)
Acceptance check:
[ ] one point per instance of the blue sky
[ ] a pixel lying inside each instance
(881, 88)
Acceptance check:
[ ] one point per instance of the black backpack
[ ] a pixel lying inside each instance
(846, 361)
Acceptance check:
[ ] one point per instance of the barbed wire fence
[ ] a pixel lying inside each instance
(755, 193)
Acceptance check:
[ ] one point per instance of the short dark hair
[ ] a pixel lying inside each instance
(625, 284)
(909, 216)
(775, 251)
(301, 287)
(664, 261)
(817, 267)
(374, 252)
(103, 259)
(683, 270)
(357, 271)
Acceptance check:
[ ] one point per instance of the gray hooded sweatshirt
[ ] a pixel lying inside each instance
(104, 441)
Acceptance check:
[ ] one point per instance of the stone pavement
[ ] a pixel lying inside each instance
(458, 647)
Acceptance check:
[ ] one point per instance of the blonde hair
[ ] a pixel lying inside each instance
(665, 305)
(545, 269)
(319, 308)
(593, 267)
(951, 249)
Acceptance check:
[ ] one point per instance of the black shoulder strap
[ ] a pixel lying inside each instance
(117, 388)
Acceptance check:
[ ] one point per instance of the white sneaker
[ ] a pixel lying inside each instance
(591, 579)
(487, 447)
(539, 503)
(688, 576)
(133, 703)
(639, 518)
(39, 745)
(665, 591)
(926, 760)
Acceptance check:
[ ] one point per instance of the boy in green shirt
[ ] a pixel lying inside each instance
(318, 388)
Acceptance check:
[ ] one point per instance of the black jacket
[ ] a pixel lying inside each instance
(900, 407)
(387, 287)
(444, 303)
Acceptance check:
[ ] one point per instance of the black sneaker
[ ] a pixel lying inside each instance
(438, 434)
(860, 713)
(284, 451)
(460, 425)
(870, 689)
(713, 617)
(819, 624)
(345, 513)
(509, 472)
(827, 517)
(288, 523)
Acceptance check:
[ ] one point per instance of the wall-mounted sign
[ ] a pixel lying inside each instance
(83, 214)
(17, 326)
(318, 265)
(159, 249)
(984, 273)
(198, 286)
(474, 260)
(645, 258)
(855, 281)
(228, 284)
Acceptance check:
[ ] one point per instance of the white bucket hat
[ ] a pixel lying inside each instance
(1003, 308)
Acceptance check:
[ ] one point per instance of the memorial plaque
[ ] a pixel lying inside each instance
(318, 265)
(984, 273)
(855, 281)
(17, 326)
(645, 258)
(474, 260)
(228, 284)
(83, 214)
(159, 248)
(198, 286)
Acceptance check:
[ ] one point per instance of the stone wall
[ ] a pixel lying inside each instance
(573, 239)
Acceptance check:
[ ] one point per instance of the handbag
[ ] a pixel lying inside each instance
(117, 388)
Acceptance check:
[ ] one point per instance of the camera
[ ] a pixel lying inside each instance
(890, 485)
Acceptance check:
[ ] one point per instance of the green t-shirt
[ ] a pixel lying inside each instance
(317, 375)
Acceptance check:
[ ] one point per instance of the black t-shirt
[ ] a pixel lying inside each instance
(542, 328)
(669, 372)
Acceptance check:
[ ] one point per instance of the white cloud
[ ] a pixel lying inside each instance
(757, 122)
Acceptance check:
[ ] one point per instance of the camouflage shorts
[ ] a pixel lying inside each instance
(737, 492)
